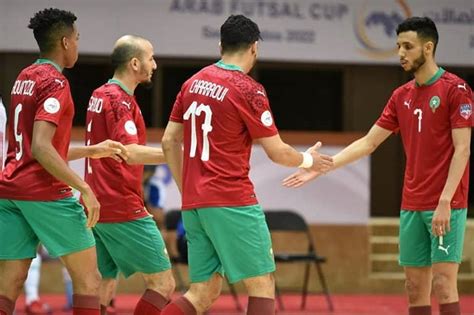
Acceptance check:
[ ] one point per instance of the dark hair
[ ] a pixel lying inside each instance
(424, 27)
(125, 51)
(50, 25)
(238, 32)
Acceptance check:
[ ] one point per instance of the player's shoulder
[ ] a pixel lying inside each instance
(454, 83)
(404, 89)
(48, 79)
(114, 95)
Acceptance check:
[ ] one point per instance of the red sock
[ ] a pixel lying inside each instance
(260, 306)
(85, 305)
(151, 303)
(6, 305)
(181, 306)
(450, 309)
(420, 310)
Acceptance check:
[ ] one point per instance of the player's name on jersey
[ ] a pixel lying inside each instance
(23, 87)
(95, 105)
(209, 89)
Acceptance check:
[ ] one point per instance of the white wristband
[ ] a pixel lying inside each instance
(307, 160)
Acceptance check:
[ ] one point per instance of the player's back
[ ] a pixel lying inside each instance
(222, 111)
(114, 114)
(40, 93)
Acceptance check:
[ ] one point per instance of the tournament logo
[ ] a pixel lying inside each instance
(130, 127)
(375, 27)
(465, 110)
(51, 105)
(434, 103)
(266, 118)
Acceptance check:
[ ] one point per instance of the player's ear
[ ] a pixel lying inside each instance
(254, 48)
(428, 48)
(134, 62)
(64, 42)
(220, 47)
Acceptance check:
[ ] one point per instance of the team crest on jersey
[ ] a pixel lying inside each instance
(465, 110)
(434, 103)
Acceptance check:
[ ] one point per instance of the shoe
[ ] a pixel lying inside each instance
(38, 308)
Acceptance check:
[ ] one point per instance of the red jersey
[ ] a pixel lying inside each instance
(40, 93)
(425, 116)
(222, 110)
(114, 114)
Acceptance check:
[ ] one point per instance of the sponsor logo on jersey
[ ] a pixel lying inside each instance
(434, 103)
(260, 92)
(465, 110)
(130, 127)
(51, 105)
(462, 87)
(266, 118)
(407, 103)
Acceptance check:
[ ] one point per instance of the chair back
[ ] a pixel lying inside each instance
(285, 220)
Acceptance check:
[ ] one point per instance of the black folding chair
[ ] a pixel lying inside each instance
(172, 218)
(290, 221)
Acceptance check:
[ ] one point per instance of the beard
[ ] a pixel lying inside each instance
(147, 83)
(417, 64)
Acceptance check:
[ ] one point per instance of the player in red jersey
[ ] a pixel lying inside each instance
(36, 202)
(127, 237)
(219, 112)
(433, 114)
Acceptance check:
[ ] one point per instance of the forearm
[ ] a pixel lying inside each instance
(52, 162)
(353, 152)
(174, 157)
(76, 153)
(140, 154)
(457, 168)
(286, 155)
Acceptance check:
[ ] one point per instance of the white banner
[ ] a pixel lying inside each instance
(336, 31)
(341, 197)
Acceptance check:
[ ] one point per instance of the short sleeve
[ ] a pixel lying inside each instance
(256, 113)
(388, 119)
(54, 98)
(460, 106)
(121, 124)
(177, 111)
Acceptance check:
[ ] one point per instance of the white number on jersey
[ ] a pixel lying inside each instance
(206, 127)
(18, 135)
(419, 112)
(88, 142)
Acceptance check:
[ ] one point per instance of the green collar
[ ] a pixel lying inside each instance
(44, 60)
(119, 83)
(433, 79)
(225, 66)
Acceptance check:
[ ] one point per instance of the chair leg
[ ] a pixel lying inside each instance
(235, 296)
(305, 286)
(279, 298)
(324, 286)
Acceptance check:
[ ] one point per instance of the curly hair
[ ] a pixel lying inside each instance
(424, 27)
(238, 32)
(50, 25)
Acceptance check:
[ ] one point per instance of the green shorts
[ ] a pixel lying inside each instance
(129, 247)
(231, 240)
(420, 248)
(59, 225)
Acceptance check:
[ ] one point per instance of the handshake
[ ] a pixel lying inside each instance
(314, 164)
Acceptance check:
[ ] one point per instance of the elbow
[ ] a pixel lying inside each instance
(36, 150)
(168, 142)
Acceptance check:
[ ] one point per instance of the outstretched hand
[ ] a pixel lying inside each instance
(321, 163)
(299, 178)
(109, 148)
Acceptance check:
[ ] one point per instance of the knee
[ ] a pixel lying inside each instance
(413, 289)
(162, 283)
(441, 286)
(263, 286)
(88, 284)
